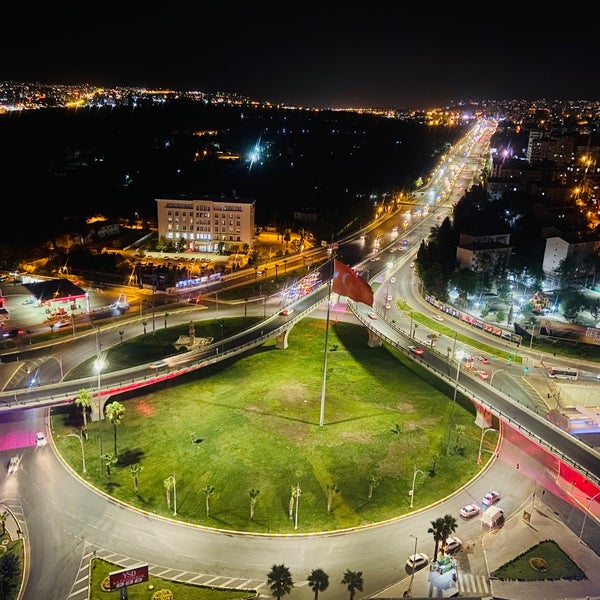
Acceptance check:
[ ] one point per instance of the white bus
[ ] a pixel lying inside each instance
(563, 373)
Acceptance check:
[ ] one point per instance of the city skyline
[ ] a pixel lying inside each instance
(324, 58)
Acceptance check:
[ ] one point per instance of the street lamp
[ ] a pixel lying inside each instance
(412, 575)
(587, 509)
(82, 451)
(459, 357)
(484, 430)
(298, 492)
(98, 365)
(412, 490)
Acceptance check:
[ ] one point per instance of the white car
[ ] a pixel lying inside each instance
(491, 498)
(13, 465)
(416, 561)
(470, 510)
(453, 544)
(40, 439)
(438, 318)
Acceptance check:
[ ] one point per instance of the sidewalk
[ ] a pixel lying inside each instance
(501, 545)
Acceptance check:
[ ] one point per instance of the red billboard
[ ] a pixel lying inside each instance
(125, 577)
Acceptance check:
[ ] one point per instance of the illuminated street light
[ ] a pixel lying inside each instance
(412, 490)
(483, 432)
(82, 450)
(459, 356)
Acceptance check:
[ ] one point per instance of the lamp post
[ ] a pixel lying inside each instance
(59, 360)
(298, 492)
(412, 490)
(484, 430)
(98, 366)
(587, 509)
(76, 435)
(412, 575)
(459, 357)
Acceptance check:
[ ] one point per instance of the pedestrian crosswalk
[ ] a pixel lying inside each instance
(473, 584)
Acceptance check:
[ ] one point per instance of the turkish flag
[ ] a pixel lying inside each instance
(347, 282)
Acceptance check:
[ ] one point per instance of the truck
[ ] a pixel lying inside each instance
(492, 516)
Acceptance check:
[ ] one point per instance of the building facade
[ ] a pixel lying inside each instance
(207, 224)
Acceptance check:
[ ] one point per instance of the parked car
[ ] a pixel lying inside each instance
(417, 561)
(13, 464)
(453, 544)
(491, 498)
(470, 510)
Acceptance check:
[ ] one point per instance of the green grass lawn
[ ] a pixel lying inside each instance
(252, 423)
(554, 564)
(100, 570)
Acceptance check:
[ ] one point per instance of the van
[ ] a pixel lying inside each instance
(492, 516)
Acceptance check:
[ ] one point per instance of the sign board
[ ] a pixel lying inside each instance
(125, 577)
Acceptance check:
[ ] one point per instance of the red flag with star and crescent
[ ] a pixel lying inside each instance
(347, 282)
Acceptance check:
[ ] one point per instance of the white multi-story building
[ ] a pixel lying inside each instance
(206, 223)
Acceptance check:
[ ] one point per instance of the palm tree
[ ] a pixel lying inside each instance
(441, 528)
(3, 517)
(115, 412)
(279, 580)
(168, 484)
(135, 470)
(84, 400)
(109, 460)
(318, 581)
(253, 495)
(353, 580)
(332, 490)
(209, 490)
(373, 483)
(10, 570)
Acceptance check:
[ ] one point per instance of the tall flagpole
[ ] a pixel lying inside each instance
(322, 417)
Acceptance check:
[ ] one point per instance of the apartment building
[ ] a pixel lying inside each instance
(207, 224)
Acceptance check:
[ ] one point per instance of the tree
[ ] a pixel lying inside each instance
(459, 431)
(209, 490)
(135, 470)
(441, 529)
(331, 491)
(353, 580)
(279, 580)
(253, 496)
(10, 570)
(83, 400)
(318, 581)
(109, 460)
(115, 412)
(373, 483)
(168, 484)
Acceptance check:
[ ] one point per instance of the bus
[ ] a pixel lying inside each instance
(563, 373)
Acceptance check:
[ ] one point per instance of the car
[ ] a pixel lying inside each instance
(491, 498)
(13, 464)
(40, 439)
(390, 297)
(482, 374)
(438, 318)
(158, 365)
(469, 362)
(484, 360)
(286, 311)
(388, 305)
(412, 264)
(417, 561)
(416, 350)
(12, 333)
(372, 315)
(469, 510)
(453, 544)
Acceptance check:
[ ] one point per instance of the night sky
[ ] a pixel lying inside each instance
(309, 54)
